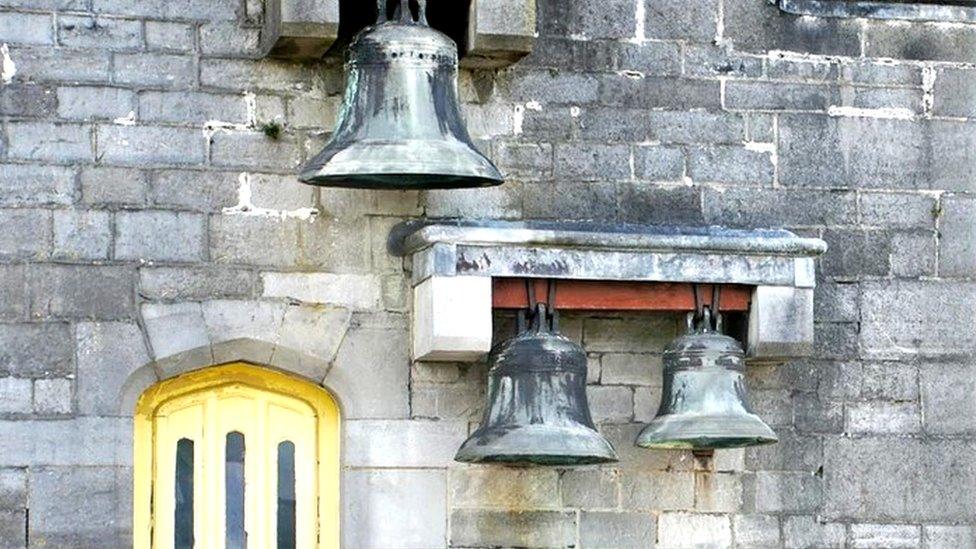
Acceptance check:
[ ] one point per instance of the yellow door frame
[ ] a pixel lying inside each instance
(227, 376)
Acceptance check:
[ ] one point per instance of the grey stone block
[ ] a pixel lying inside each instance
(46, 64)
(955, 93)
(659, 93)
(801, 532)
(196, 283)
(756, 531)
(155, 69)
(779, 492)
(511, 488)
(619, 530)
(149, 145)
(920, 42)
(813, 415)
(611, 404)
(192, 107)
(897, 210)
(755, 26)
(108, 353)
(920, 317)
(193, 190)
(688, 530)
(36, 349)
(856, 252)
(28, 100)
(657, 491)
(384, 353)
(957, 257)
(26, 234)
(893, 536)
(913, 254)
(374, 516)
(876, 479)
(252, 240)
(718, 493)
(504, 202)
(705, 61)
(100, 32)
(263, 75)
(695, 21)
(650, 204)
(890, 381)
(309, 339)
(159, 236)
(949, 537)
(13, 528)
(631, 369)
(946, 406)
(472, 528)
(727, 164)
(174, 330)
(46, 141)
(834, 302)
(591, 201)
(67, 442)
(590, 488)
(13, 489)
(230, 40)
(525, 160)
(96, 293)
(31, 185)
(82, 234)
(53, 397)
(771, 96)
(233, 320)
(751, 207)
(113, 187)
(169, 36)
(806, 70)
(592, 162)
(883, 418)
(80, 507)
(26, 28)
(648, 58)
(254, 150)
(402, 443)
(654, 163)
(871, 71)
(15, 395)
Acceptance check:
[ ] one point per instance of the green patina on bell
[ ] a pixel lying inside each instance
(400, 124)
(537, 411)
(704, 404)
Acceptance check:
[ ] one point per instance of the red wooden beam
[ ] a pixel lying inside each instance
(601, 295)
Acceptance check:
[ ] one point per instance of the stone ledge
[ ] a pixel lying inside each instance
(920, 11)
(777, 264)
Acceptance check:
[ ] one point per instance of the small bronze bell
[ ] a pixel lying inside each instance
(537, 409)
(703, 406)
(400, 124)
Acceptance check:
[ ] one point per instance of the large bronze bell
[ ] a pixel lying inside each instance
(537, 410)
(400, 124)
(703, 406)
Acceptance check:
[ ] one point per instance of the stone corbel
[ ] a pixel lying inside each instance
(500, 32)
(453, 265)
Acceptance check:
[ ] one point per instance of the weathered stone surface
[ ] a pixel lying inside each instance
(876, 479)
(622, 530)
(756, 531)
(107, 355)
(510, 489)
(372, 371)
(96, 293)
(403, 443)
(374, 503)
(686, 530)
(945, 389)
(470, 527)
(590, 488)
(658, 491)
(53, 397)
(82, 234)
(75, 442)
(80, 507)
(36, 349)
(807, 531)
(159, 236)
(15, 395)
(957, 252)
(885, 535)
(949, 537)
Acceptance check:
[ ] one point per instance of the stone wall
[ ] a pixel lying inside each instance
(150, 226)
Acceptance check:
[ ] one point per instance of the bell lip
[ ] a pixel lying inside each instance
(400, 181)
(664, 432)
(510, 446)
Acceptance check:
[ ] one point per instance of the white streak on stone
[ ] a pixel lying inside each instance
(888, 113)
(127, 120)
(251, 108)
(518, 119)
(534, 106)
(640, 30)
(7, 67)
(929, 75)
(767, 148)
(246, 207)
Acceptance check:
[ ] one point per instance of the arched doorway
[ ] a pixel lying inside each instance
(236, 456)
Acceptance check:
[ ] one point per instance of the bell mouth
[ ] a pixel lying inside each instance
(670, 432)
(400, 181)
(537, 445)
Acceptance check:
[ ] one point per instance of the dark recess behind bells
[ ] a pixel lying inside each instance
(448, 16)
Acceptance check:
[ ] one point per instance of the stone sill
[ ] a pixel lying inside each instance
(453, 264)
(920, 11)
(499, 33)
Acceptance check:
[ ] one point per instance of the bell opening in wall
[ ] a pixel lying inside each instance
(400, 124)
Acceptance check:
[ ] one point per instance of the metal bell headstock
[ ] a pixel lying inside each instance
(537, 412)
(704, 402)
(400, 124)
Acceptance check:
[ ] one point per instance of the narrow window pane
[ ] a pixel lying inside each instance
(286, 495)
(234, 479)
(183, 516)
